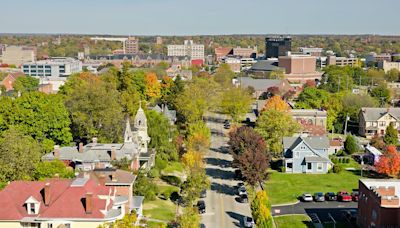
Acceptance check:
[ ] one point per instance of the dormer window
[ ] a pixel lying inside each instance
(32, 206)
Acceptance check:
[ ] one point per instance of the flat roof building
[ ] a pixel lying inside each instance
(54, 67)
(194, 51)
(341, 61)
(277, 46)
(131, 45)
(299, 67)
(17, 55)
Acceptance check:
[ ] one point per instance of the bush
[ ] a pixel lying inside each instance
(154, 173)
(340, 153)
(337, 169)
(334, 160)
(347, 160)
(172, 180)
(282, 169)
(160, 164)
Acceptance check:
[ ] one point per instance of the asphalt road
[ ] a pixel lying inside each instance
(222, 208)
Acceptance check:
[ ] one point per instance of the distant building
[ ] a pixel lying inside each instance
(9, 80)
(234, 63)
(341, 61)
(378, 203)
(313, 51)
(168, 113)
(54, 67)
(222, 52)
(277, 46)
(245, 52)
(312, 121)
(61, 203)
(374, 121)
(131, 45)
(299, 67)
(387, 66)
(373, 57)
(159, 40)
(194, 51)
(263, 68)
(261, 86)
(18, 55)
(51, 85)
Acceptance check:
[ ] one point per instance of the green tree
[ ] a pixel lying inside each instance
(261, 210)
(145, 186)
(26, 84)
(198, 136)
(382, 93)
(189, 218)
(49, 169)
(19, 155)
(392, 75)
(224, 75)
(350, 145)
(391, 135)
(194, 184)
(235, 102)
(273, 125)
(337, 79)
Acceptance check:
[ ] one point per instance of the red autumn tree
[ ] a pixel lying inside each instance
(389, 162)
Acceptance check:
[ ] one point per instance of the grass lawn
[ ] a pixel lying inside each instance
(154, 224)
(293, 221)
(285, 188)
(173, 167)
(165, 188)
(159, 209)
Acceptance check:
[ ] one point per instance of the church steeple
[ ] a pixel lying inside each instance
(128, 135)
(140, 119)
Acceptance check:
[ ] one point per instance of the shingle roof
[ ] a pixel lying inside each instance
(315, 142)
(265, 65)
(316, 159)
(373, 114)
(259, 84)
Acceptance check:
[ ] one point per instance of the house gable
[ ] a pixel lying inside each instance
(302, 147)
(387, 116)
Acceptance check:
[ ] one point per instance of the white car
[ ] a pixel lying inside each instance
(248, 222)
(242, 190)
(307, 197)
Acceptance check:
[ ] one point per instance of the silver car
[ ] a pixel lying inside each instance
(307, 197)
(248, 222)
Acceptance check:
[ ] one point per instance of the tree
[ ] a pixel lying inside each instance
(377, 142)
(389, 162)
(337, 79)
(382, 93)
(49, 169)
(196, 182)
(276, 103)
(26, 84)
(235, 102)
(391, 135)
(261, 210)
(350, 145)
(224, 75)
(312, 97)
(128, 221)
(245, 138)
(193, 160)
(153, 87)
(161, 134)
(392, 75)
(189, 218)
(94, 107)
(198, 136)
(144, 186)
(273, 125)
(19, 155)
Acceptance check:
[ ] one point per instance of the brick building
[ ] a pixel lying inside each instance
(299, 67)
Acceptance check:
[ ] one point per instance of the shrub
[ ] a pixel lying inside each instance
(340, 153)
(172, 180)
(160, 164)
(154, 173)
(282, 169)
(337, 169)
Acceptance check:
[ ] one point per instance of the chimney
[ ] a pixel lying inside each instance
(102, 179)
(56, 152)
(94, 140)
(47, 195)
(113, 153)
(89, 203)
(80, 147)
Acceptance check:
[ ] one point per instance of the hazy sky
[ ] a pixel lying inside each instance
(190, 17)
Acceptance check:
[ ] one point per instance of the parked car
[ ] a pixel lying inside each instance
(307, 197)
(248, 221)
(201, 206)
(354, 196)
(238, 174)
(330, 196)
(319, 197)
(227, 126)
(344, 196)
(242, 190)
(203, 193)
(244, 198)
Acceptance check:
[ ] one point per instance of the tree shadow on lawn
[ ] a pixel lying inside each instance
(236, 216)
(220, 174)
(223, 188)
(219, 162)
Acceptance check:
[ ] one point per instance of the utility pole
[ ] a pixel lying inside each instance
(345, 126)
(338, 87)
(347, 82)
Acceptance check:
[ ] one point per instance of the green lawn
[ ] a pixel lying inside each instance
(173, 167)
(154, 224)
(293, 221)
(159, 209)
(285, 188)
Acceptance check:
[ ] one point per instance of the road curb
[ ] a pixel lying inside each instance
(289, 215)
(285, 204)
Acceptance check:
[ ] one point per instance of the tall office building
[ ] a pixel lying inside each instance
(277, 46)
(194, 51)
(132, 45)
(17, 55)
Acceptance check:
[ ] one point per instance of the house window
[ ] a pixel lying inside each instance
(309, 165)
(50, 225)
(319, 166)
(32, 208)
(289, 165)
(382, 123)
(302, 148)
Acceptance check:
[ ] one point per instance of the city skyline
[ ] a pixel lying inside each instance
(178, 17)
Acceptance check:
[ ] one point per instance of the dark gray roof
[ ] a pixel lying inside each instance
(315, 142)
(308, 112)
(168, 113)
(316, 159)
(136, 202)
(373, 114)
(258, 84)
(265, 65)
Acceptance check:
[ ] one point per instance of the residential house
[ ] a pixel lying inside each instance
(60, 203)
(306, 154)
(374, 121)
(261, 86)
(168, 113)
(99, 155)
(378, 203)
(9, 80)
(312, 121)
(335, 145)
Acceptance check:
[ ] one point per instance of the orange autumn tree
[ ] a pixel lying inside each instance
(389, 162)
(153, 87)
(276, 103)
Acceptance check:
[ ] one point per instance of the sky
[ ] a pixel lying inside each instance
(200, 17)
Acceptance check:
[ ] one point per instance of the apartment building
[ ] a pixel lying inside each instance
(17, 55)
(299, 67)
(341, 61)
(245, 52)
(378, 203)
(54, 67)
(194, 51)
(373, 57)
(387, 66)
(313, 51)
(131, 45)
(374, 121)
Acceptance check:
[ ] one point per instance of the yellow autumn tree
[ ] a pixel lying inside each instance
(153, 86)
(193, 159)
(276, 103)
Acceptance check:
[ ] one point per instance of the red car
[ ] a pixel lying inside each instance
(354, 196)
(344, 196)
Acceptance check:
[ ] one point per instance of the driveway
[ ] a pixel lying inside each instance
(222, 208)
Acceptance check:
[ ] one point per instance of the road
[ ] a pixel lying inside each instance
(222, 208)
